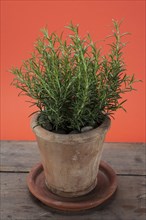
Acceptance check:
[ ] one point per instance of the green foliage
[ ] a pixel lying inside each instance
(71, 83)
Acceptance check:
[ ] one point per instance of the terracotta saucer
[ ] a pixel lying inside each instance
(106, 187)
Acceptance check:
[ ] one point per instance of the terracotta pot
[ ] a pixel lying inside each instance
(71, 161)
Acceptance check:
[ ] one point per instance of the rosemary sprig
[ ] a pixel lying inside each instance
(71, 83)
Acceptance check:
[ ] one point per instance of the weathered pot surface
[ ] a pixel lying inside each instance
(71, 161)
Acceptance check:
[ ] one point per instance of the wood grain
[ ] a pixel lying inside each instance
(18, 204)
(129, 203)
(125, 158)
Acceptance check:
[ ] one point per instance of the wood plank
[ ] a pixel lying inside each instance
(18, 204)
(125, 158)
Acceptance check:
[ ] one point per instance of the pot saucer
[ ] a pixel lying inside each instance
(104, 190)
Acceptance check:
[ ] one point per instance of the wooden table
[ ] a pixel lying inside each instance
(127, 159)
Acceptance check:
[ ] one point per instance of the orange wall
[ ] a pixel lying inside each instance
(21, 22)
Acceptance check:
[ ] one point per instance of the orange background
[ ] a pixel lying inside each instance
(21, 24)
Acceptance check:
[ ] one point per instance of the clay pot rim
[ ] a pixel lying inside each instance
(45, 134)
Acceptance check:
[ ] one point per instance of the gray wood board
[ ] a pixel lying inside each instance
(18, 204)
(125, 158)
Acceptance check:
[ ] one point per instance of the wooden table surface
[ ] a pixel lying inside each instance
(129, 203)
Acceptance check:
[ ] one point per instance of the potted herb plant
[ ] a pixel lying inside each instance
(76, 90)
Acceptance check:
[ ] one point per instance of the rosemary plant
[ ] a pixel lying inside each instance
(71, 82)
